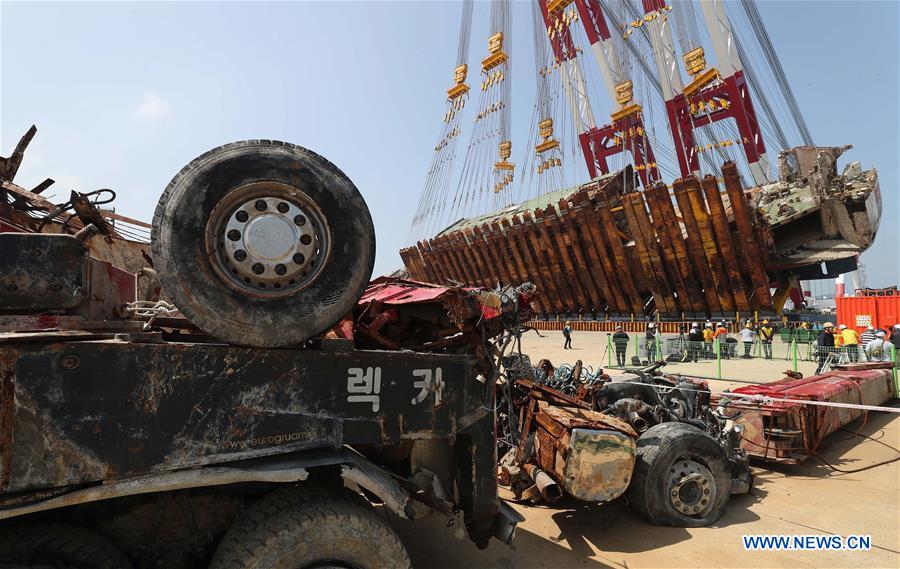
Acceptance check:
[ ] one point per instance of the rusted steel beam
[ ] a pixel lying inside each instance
(450, 268)
(459, 263)
(708, 239)
(536, 264)
(429, 264)
(452, 261)
(494, 239)
(422, 269)
(481, 261)
(621, 267)
(528, 265)
(650, 264)
(409, 262)
(435, 260)
(461, 247)
(484, 275)
(491, 268)
(534, 229)
(666, 247)
(695, 247)
(467, 254)
(555, 244)
(596, 249)
(507, 242)
(726, 247)
(662, 267)
(500, 269)
(747, 238)
(573, 238)
(672, 234)
(500, 241)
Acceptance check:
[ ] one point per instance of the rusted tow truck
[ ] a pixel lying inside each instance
(245, 435)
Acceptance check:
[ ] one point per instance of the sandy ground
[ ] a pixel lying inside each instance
(808, 499)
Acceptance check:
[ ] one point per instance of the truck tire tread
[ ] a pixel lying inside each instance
(269, 529)
(49, 544)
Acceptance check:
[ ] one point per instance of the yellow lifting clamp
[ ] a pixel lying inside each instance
(459, 77)
(497, 55)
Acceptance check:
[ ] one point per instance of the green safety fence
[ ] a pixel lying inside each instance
(731, 359)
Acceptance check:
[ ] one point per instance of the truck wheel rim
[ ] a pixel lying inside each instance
(692, 487)
(268, 239)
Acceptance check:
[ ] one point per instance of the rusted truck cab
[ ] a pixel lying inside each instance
(101, 415)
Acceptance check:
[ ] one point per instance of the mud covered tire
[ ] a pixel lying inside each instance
(662, 452)
(55, 545)
(201, 276)
(297, 527)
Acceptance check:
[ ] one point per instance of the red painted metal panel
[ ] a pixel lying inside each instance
(785, 431)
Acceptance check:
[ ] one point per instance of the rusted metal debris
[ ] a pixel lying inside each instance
(697, 249)
(791, 432)
(122, 241)
(400, 314)
(568, 430)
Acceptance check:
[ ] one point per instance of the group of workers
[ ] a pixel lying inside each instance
(877, 343)
(701, 343)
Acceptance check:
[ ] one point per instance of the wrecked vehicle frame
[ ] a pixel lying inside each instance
(654, 437)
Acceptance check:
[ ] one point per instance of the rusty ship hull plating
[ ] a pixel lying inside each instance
(700, 248)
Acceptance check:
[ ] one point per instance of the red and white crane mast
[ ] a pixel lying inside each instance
(713, 94)
(626, 131)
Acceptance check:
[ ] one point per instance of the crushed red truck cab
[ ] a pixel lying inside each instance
(780, 430)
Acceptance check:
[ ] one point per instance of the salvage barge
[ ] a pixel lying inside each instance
(690, 250)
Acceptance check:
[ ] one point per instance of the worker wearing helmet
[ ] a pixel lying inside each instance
(766, 335)
(850, 342)
(867, 336)
(879, 349)
(708, 336)
(748, 335)
(651, 335)
(824, 345)
(695, 343)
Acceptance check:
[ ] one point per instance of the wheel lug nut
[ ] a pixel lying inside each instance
(280, 269)
(258, 268)
(260, 205)
(299, 258)
(283, 207)
(305, 239)
(240, 255)
(242, 216)
(300, 220)
(234, 234)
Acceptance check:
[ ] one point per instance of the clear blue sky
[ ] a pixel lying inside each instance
(125, 94)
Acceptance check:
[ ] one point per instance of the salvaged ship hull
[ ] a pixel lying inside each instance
(689, 250)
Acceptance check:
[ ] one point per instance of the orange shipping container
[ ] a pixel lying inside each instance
(861, 311)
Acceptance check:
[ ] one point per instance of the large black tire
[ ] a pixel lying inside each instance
(46, 545)
(668, 453)
(297, 527)
(201, 275)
